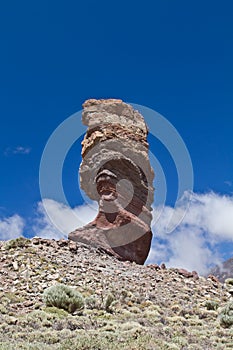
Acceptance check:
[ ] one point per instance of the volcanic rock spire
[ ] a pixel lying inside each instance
(116, 172)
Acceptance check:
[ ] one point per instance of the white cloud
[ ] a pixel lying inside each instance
(192, 245)
(17, 150)
(11, 227)
(158, 252)
(56, 220)
(190, 251)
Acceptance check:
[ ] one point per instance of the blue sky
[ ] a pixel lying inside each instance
(172, 56)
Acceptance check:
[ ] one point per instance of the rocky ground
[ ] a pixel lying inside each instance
(127, 306)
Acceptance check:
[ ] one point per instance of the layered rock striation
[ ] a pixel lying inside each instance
(116, 172)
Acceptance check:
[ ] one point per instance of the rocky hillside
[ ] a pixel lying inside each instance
(127, 306)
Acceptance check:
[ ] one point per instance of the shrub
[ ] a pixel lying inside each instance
(58, 313)
(91, 302)
(211, 305)
(229, 281)
(109, 300)
(18, 242)
(63, 297)
(226, 315)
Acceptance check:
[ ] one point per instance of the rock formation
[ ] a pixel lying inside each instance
(116, 172)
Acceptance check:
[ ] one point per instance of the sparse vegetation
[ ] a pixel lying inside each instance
(91, 302)
(229, 282)
(226, 315)
(63, 297)
(109, 300)
(211, 305)
(127, 306)
(18, 242)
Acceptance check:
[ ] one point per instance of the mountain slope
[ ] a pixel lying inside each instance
(127, 306)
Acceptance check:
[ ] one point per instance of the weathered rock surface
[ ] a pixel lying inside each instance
(116, 172)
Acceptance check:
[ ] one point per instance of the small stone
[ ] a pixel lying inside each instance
(189, 282)
(15, 265)
(153, 266)
(62, 242)
(185, 273)
(213, 278)
(102, 265)
(12, 320)
(28, 303)
(36, 240)
(72, 246)
(195, 275)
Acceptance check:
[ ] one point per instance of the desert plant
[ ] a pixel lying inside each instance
(109, 300)
(229, 281)
(211, 305)
(63, 297)
(91, 302)
(226, 315)
(18, 242)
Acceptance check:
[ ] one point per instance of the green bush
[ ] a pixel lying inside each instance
(63, 297)
(109, 300)
(91, 302)
(226, 315)
(20, 242)
(229, 281)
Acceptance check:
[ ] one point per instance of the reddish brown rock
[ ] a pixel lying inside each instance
(116, 172)
(188, 274)
(72, 246)
(195, 275)
(185, 273)
(213, 278)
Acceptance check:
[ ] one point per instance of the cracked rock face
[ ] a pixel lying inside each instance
(116, 172)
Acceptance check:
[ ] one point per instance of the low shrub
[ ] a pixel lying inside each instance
(63, 297)
(211, 305)
(226, 315)
(229, 281)
(91, 302)
(109, 300)
(18, 242)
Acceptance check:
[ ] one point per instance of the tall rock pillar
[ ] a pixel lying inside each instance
(116, 172)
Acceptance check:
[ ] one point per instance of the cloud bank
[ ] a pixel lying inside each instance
(11, 227)
(207, 223)
(56, 220)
